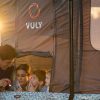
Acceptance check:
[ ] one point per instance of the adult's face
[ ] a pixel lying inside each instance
(4, 64)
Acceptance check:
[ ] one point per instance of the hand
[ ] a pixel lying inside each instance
(19, 90)
(4, 82)
(31, 88)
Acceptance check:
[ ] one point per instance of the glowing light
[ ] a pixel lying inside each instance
(1, 26)
(95, 12)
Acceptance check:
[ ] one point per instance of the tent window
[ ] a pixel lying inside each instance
(38, 67)
(95, 24)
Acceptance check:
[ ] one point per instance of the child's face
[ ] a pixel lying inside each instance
(34, 81)
(22, 77)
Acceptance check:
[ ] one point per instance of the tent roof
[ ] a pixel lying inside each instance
(36, 60)
(35, 53)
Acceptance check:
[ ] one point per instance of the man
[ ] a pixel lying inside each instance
(7, 54)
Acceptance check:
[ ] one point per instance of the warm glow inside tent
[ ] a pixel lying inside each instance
(41, 61)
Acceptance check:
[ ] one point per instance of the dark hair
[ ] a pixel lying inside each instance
(24, 67)
(40, 74)
(7, 52)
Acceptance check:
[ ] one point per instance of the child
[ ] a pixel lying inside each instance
(37, 81)
(22, 76)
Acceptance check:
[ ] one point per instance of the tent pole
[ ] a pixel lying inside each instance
(81, 35)
(71, 50)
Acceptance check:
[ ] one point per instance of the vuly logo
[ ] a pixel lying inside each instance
(34, 10)
(34, 13)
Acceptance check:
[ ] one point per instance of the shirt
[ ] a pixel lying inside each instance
(8, 73)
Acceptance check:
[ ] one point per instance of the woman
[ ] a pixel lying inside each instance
(22, 76)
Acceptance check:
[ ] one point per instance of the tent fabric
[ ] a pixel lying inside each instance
(86, 58)
(35, 62)
(76, 44)
(35, 53)
(53, 37)
(61, 68)
(90, 81)
(7, 21)
(43, 38)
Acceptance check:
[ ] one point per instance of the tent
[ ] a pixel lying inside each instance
(64, 32)
(52, 37)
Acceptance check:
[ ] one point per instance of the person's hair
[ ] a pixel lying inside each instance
(48, 72)
(7, 52)
(24, 67)
(41, 74)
